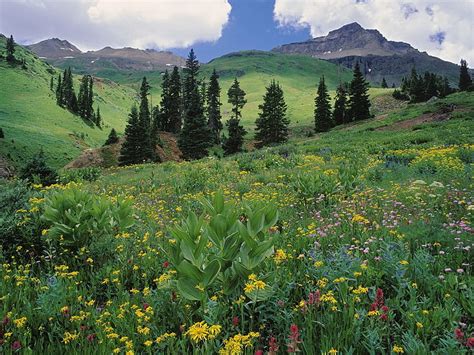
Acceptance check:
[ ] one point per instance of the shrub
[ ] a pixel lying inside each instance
(37, 171)
(76, 218)
(80, 175)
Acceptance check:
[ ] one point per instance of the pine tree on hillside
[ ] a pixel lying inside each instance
(272, 123)
(194, 139)
(322, 113)
(234, 142)
(90, 101)
(465, 81)
(445, 88)
(130, 150)
(339, 114)
(384, 83)
(175, 104)
(59, 92)
(214, 107)
(2, 135)
(147, 146)
(10, 50)
(359, 103)
(51, 84)
(98, 118)
(416, 89)
(112, 138)
(156, 122)
(430, 85)
(161, 121)
(82, 97)
(68, 97)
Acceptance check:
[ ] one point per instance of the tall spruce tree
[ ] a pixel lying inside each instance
(214, 107)
(234, 142)
(51, 84)
(359, 103)
(130, 150)
(384, 83)
(112, 138)
(68, 97)
(339, 115)
(465, 81)
(59, 92)
(98, 118)
(322, 112)
(194, 139)
(272, 123)
(161, 118)
(416, 88)
(10, 50)
(147, 145)
(175, 103)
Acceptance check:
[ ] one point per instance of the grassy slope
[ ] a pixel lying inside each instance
(31, 119)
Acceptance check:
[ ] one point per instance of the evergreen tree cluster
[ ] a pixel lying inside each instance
(465, 81)
(234, 142)
(82, 104)
(420, 88)
(11, 50)
(351, 103)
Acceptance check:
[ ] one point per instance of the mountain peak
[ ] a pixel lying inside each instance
(55, 48)
(349, 40)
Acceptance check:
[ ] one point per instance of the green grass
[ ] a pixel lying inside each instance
(31, 119)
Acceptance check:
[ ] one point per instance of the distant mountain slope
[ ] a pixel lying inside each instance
(106, 62)
(31, 120)
(54, 48)
(381, 57)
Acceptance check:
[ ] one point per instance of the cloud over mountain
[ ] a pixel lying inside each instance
(98, 23)
(443, 28)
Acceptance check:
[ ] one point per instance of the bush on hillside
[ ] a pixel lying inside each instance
(37, 171)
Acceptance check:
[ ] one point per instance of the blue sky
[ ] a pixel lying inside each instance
(251, 25)
(443, 28)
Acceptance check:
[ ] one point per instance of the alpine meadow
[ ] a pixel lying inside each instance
(236, 177)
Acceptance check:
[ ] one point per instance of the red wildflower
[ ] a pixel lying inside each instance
(5, 321)
(458, 334)
(379, 298)
(145, 306)
(166, 264)
(314, 297)
(470, 342)
(294, 339)
(273, 346)
(259, 352)
(16, 345)
(91, 337)
(235, 321)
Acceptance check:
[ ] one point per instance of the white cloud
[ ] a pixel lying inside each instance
(414, 21)
(93, 24)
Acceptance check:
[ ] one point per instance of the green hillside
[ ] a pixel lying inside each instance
(31, 119)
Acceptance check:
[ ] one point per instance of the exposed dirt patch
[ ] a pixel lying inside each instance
(443, 114)
(108, 156)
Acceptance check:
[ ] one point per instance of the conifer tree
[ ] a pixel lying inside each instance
(90, 100)
(236, 97)
(384, 83)
(112, 138)
(339, 114)
(130, 150)
(272, 123)
(445, 89)
(234, 142)
(51, 84)
(161, 119)
(465, 81)
(431, 86)
(194, 139)
(59, 92)
(416, 89)
(98, 118)
(322, 112)
(359, 104)
(175, 104)
(2, 135)
(10, 50)
(214, 107)
(147, 146)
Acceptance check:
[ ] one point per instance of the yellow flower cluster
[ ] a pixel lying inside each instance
(254, 284)
(201, 331)
(237, 343)
(280, 256)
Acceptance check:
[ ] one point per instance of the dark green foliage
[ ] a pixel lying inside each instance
(236, 97)
(175, 102)
(233, 144)
(214, 107)
(10, 50)
(194, 139)
(384, 83)
(419, 88)
(38, 171)
(85, 99)
(98, 118)
(272, 123)
(2, 135)
(359, 103)
(130, 151)
(322, 113)
(465, 81)
(59, 94)
(51, 84)
(147, 147)
(65, 96)
(112, 138)
(161, 118)
(339, 115)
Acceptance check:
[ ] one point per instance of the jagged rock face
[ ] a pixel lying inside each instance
(54, 48)
(349, 40)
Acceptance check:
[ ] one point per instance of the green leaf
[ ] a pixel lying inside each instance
(211, 271)
(190, 271)
(243, 231)
(187, 289)
(219, 201)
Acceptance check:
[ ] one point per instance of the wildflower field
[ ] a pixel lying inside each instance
(359, 241)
